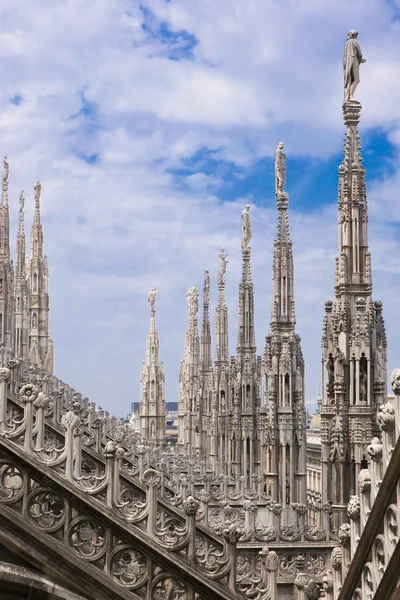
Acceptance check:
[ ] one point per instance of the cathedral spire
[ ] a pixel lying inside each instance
(282, 313)
(21, 288)
(206, 360)
(4, 191)
(283, 368)
(353, 340)
(37, 268)
(4, 213)
(246, 345)
(221, 314)
(21, 243)
(189, 377)
(6, 266)
(152, 402)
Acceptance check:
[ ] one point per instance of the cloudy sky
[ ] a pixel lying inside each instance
(151, 124)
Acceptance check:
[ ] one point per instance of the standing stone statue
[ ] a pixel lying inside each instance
(193, 300)
(222, 262)
(379, 364)
(280, 169)
(21, 203)
(152, 300)
(38, 191)
(206, 287)
(351, 65)
(246, 227)
(6, 169)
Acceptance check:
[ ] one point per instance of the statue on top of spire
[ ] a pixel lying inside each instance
(193, 300)
(246, 227)
(280, 169)
(351, 65)
(222, 262)
(206, 287)
(152, 300)
(6, 168)
(38, 191)
(21, 203)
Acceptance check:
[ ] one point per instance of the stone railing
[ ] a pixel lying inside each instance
(365, 566)
(50, 440)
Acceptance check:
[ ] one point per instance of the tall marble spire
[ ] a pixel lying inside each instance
(353, 339)
(21, 287)
(206, 358)
(189, 377)
(38, 288)
(6, 268)
(284, 460)
(152, 402)
(246, 397)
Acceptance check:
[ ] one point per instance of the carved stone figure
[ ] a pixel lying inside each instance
(351, 65)
(344, 534)
(6, 169)
(246, 227)
(21, 203)
(152, 299)
(222, 262)
(280, 169)
(38, 191)
(298, 380)
(379, 364)
(206, 288)
(395, 380)
(339, 365)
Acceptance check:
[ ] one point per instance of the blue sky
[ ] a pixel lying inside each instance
(151, 124)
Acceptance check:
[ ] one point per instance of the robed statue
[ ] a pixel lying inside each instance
(206, 287)
(6, 169)
(152, 300)
(222, 262)
(280, 169)
(21, 204)
(351, 65)
(246, 226)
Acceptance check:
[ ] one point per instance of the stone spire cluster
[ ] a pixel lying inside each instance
(245, 414)
(24, 297)
(152, 402)
(283, 368)
(353, 340)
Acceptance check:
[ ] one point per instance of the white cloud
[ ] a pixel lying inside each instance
(93, 82)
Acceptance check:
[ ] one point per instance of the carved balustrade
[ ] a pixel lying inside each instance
(365, 565)
(29, 433)
(102, 456)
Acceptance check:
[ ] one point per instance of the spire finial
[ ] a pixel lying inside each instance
(351, 65)
(6, 170)
(38, 192)
(246, 227)
(280, 169)
(206, 287)
(222, 262)
(152, 301)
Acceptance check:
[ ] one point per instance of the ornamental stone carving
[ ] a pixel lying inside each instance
(4, 374)
(336, 558)
(344, 534)
(364, 481)
(386, 416)
(151, 478)
(353, 508)
(396, 382)
(191, 506)
(28, 392)
(375, 449)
